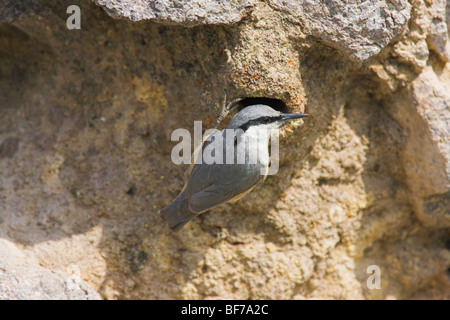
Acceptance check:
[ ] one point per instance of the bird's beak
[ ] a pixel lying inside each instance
(292, 116)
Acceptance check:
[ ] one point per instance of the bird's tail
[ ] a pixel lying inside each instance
(177, 214)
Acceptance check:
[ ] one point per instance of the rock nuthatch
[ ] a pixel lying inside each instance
(210, 185)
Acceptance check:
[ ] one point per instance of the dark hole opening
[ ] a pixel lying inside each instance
(131, 191)
(276, 104)
(447, 244)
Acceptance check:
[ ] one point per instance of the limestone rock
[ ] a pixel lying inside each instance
(358, 28)
(175, 11)
(22, 280)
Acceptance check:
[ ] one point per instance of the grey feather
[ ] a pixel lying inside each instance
(220, 192)
(177, 213)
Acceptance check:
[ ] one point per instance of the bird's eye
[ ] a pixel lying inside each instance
(265, 120)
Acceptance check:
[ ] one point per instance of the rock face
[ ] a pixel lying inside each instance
(87, 116)
(21, 279)
(178, 12)
(357, 28)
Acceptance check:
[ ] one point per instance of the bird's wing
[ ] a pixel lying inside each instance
(222, 190)
(211, 185)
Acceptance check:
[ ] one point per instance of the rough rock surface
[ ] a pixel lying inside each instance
(21, 279)
(87, 115)
(176, 11)
(358, 28)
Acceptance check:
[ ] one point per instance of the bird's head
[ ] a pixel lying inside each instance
(262, 117)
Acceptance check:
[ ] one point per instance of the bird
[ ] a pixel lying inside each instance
(212, 184)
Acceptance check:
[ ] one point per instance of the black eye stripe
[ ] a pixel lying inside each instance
(257, 121)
